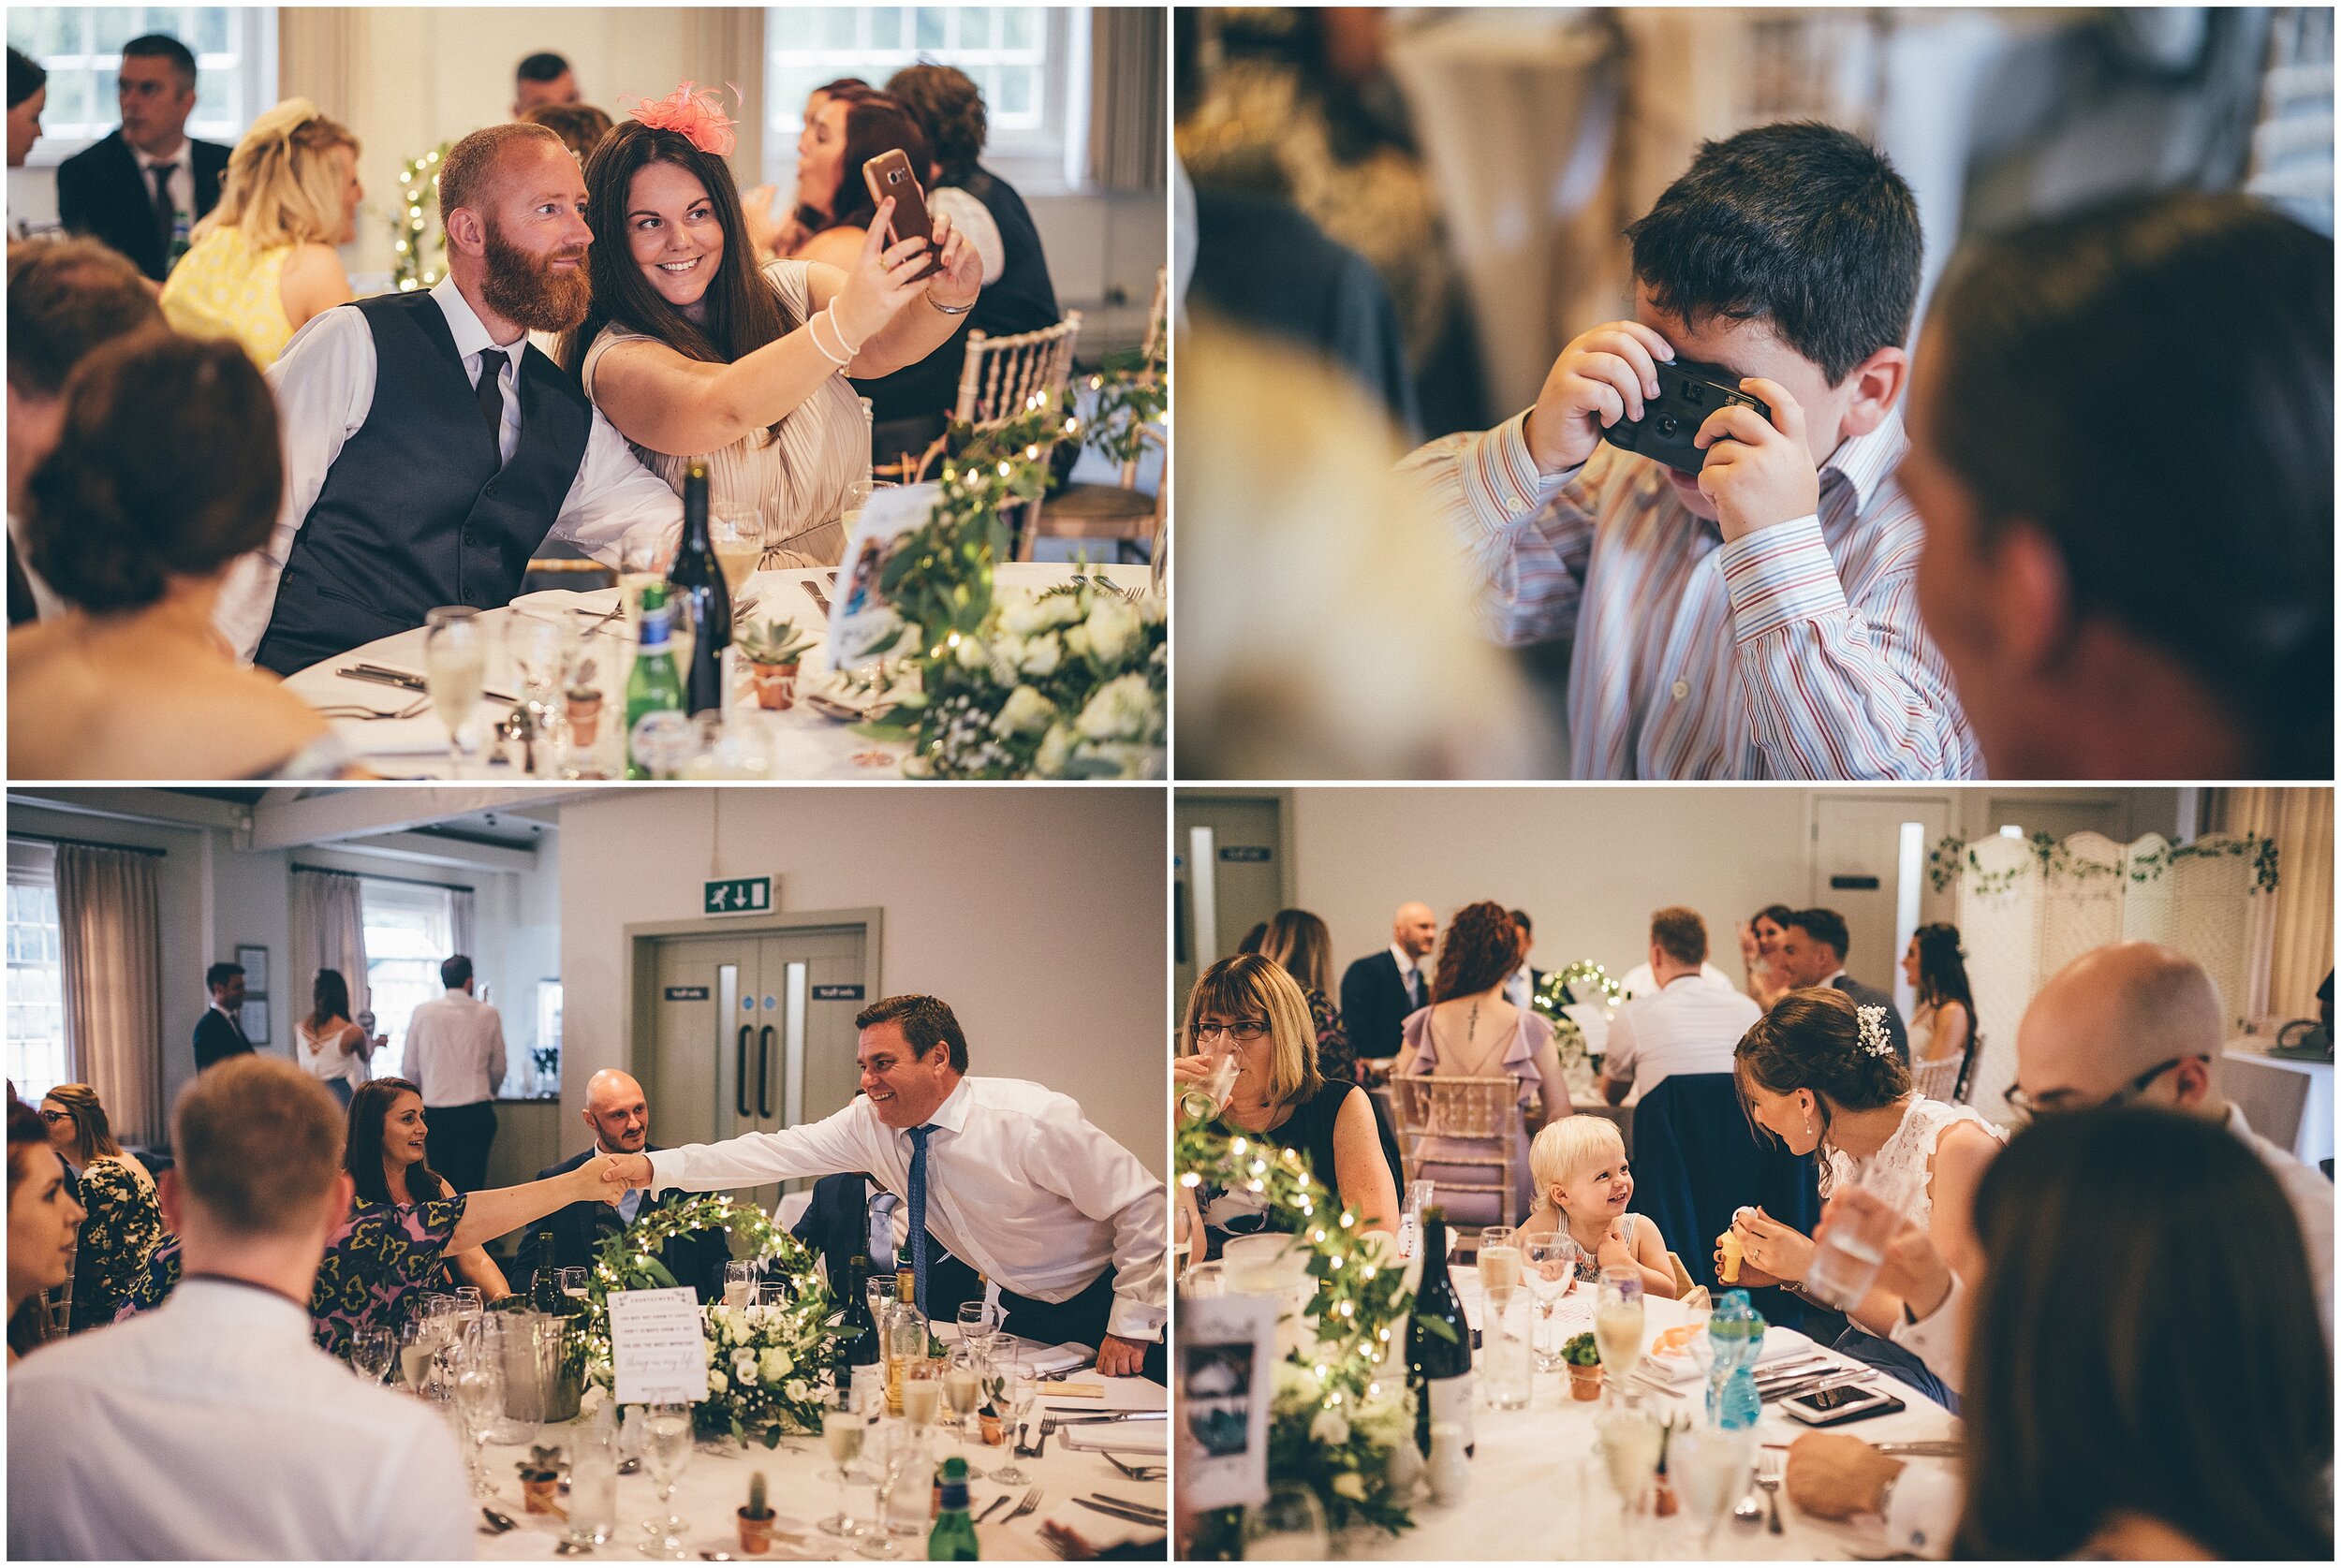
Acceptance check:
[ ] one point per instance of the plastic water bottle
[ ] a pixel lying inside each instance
(1735, 1332)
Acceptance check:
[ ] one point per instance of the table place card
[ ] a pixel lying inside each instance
(657, 1352)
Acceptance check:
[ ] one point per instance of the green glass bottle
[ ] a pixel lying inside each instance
(654, 685)
(953, 1537)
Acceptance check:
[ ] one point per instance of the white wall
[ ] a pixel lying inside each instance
(1588, 864)
(1037, 913)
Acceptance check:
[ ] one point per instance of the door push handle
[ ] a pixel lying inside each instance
(740, 1075)
(764, 1073)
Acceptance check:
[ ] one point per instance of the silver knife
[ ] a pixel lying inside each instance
(1128, 1516)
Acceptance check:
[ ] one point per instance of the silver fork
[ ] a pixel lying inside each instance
(360, 712)
(1768, 1478)
(1032, 1501)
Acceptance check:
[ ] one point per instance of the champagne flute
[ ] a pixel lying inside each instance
(455, 673)
(963, 1386)
(478, 1396)
(1498, 1257)
(669, 1449)
(922, 1393)
(736, 530)
(740, 1281)
(843, 1428)
(1617, 1324)
(1711, 1468)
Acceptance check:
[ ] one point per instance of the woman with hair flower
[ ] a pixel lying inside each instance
(692, 351)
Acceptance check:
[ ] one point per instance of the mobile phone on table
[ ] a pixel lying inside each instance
(1832, 1407)
(889, 174)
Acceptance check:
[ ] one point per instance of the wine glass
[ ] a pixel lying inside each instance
(1617, 1324)
(667, 1448)
(575, 1282)
(478, 1398)
(843, 1428)
(1014, 1389)
(455, 673)
(1550, 1268)
(417, 1339)
(374, 1352)
(979, 1324)
(543, 646)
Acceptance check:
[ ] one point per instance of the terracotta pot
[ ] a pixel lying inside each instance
(541, 1495)
(995, 1430)
(1666, 1504)
(755, 1535)
(1584, 1382)
(775, 685)
(585, 714)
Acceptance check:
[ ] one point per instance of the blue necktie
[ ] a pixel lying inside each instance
(918, 1212)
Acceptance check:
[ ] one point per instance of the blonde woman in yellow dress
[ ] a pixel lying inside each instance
(263, 260)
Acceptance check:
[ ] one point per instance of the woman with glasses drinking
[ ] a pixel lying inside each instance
(1249, 1012)
(125, 1221)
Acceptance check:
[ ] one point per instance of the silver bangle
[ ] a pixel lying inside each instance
(949, 310)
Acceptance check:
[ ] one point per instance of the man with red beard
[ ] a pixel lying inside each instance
(429, 448)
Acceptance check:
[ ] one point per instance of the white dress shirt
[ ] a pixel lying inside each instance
(1019, 1186)
(1640, 981)
(1687, 1026)
(455, 1050)
(324, 385)
(180, 183)
(214, 1427)
(972, 218)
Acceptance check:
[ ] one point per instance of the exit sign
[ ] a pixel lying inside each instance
(737, 895)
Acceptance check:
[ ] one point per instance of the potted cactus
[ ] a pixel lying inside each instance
(774, 650)
(582, 702)
(1584, 1359)
(540, 1480)
(755, 1519)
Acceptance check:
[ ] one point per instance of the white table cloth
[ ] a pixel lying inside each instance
(1536, 1493)
(803, 743)
(2286, 1102)
(802, 1487)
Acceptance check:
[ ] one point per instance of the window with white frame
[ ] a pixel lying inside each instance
(38, 1056)
(1032, 62)
(80, 48)
(409, 930)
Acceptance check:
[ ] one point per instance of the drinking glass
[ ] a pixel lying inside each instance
(637, 566)
(979, 1324)
(668, 1449)
(575, 1283)
(843, 1428)
(881, 1289)
(479, 1399)
(904, 1492)
(544, 645)
(1208, 1095)
(1710, 1469)
(455, 673)
(922, 1393)
(472, 1301)
(417, 1339)
(1207, 1279)
(1288, 1528)
(1630, 1441)
(1498, 1257)
(374, 1352)
(736, 530)
(741, 1278)
(1851, 1249)
(1617, 1325)
(1015, 1389)
(1550, 1267)
(1508, 1326)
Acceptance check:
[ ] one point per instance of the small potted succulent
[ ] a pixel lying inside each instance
(774, 650)
(540, 1480)
(582, 702)
(755, 1519)
(1583, 1360)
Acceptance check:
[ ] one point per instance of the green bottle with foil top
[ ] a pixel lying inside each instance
(653, 685)
(953, 1537)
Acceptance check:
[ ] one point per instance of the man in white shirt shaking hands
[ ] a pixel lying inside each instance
(1010, 1175)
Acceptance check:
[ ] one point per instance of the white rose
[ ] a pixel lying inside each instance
(1007, 655)
(1296, 1389)
(1151, 609)
(1121, 709)
(1349, 1484)
(1077, 643)
(794, 1391)
(971, 653)
(1041, 655)
(1026, 712)
(1060, 609)
(1025, 617)
(1331, 1428)
(777, 1364)
(717, 1382)
(1056, 749)
(743, 1365)
(1114, 630)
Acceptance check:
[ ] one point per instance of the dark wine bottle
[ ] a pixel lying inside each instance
(701, 593)
(860, 1329)
(1438, 1343)
(545, 1292)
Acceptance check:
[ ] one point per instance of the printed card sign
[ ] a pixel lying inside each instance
(837, 994)
(863, 626)
(737, 895)
(687, 993)
(1226, 1381)
(656, 1354)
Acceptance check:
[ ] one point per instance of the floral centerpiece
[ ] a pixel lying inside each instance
(764, 1362)
(1582, 981)
(1341, 1421)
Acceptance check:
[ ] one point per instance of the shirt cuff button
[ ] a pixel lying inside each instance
(1681, 689)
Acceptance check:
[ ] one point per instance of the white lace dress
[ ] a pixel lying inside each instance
(1903, 1163)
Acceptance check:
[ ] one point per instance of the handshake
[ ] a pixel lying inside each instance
(607, 1178)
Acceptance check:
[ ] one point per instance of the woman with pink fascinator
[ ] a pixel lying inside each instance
(693, 352)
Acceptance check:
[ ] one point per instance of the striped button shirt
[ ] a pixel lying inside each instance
(1794, 652)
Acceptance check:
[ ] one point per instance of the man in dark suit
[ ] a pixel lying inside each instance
(619, 1115)
(1812, 951)
(1379, 990)
(219, 1032)
(137, 188)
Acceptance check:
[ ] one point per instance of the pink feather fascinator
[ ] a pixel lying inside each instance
(699, 116)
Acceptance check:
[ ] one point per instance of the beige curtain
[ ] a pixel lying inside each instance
(111, 951)
(328, 932)
(725, 47)
(2301, 823)
(1128, 103)
(462, 922)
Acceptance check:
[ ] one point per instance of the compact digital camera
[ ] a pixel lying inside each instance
(1688, 392)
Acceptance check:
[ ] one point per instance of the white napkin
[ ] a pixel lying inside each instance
(1118, 1437)
(1086, 1532)
(1055, 1358)
(1780, 1344)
